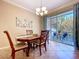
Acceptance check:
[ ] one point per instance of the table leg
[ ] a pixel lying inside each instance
(28, 48)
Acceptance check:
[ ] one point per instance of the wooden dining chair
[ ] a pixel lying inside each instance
(29, 32)
(13, 48)
(42, 41)
(47, 35)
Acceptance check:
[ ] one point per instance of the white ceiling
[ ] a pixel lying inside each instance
(31, 5)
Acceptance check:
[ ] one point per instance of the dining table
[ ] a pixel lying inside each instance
(28, 40)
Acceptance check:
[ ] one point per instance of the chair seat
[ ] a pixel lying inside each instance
(20, 46)
(39, 43)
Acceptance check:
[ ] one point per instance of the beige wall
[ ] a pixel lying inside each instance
(8, 14)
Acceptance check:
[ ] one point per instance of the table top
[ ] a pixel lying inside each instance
(28, 38)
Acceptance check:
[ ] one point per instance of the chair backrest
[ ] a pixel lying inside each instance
(29, 32)
(9, 39)
(44, 34)
(54, 34)
(65, 34)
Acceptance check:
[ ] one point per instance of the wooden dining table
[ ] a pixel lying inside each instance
(28, 40)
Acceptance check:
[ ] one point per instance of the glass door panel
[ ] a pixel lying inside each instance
(61, 28)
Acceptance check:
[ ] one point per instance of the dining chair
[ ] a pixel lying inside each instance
(29, 32)
(14, 48)
(42, 41)
(65, 34)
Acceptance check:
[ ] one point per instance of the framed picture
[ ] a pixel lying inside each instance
(23, 23)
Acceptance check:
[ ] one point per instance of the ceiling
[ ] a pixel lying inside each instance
(31, 5)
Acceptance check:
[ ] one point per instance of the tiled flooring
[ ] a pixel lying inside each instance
(54, 51)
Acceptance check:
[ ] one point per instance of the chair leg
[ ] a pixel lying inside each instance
(48, 41)
(13, 55)
(27, 54)
(40, 49)
(45, 47)
(28, 49)
(24, 50)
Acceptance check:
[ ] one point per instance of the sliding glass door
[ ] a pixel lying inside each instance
(61, 28)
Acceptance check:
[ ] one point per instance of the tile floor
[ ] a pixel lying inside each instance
(54, 51)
